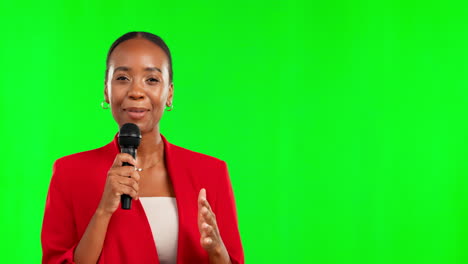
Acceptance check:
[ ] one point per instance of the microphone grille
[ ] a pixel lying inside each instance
(129, 135)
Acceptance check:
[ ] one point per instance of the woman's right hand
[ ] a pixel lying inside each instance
(120, 180)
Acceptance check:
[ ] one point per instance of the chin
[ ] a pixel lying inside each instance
(144, 126)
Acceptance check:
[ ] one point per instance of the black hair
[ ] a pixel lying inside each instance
(146, 35)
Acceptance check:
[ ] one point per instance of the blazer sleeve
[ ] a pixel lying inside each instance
(58, 236)
(226, 217)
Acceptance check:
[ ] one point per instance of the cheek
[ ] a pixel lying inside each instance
(158, 105)
(158, 98)
(116, 97)
(158, 108)
(116, 94)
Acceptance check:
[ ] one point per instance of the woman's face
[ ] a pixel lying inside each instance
(138, 86)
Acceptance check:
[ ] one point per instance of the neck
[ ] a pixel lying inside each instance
(151, 149)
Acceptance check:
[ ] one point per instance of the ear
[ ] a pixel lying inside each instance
(106, 95)
(170, 95)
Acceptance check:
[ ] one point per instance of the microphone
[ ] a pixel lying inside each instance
(129, 140)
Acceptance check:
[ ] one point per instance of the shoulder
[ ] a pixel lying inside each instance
(77, 160)
(204, 170)
(86, 167)
(196, 159)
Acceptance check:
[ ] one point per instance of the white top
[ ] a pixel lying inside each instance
(164, 222)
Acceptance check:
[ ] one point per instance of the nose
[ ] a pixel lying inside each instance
(136, 92)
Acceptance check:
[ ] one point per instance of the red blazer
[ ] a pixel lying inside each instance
(76, 188)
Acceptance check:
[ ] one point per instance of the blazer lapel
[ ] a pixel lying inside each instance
(187, 205)
(134, 223)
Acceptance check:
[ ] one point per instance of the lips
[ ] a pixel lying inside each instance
(136, 112)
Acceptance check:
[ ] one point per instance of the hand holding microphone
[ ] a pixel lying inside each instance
(122, 178)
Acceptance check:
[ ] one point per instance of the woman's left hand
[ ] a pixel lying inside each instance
(210, 238)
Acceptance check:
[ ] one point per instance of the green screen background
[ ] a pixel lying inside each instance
(343, 123)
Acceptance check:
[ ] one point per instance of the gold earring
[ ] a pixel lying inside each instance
(169, 108)
(104, 104)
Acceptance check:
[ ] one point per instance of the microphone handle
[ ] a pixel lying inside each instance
(125, 199)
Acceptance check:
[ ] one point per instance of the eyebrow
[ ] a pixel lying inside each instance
(125, 68)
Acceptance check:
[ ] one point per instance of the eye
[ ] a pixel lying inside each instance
(122, 78)
(153, 80)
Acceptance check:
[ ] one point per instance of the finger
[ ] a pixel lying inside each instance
(201, 219)
(201, 196)
(125, 171)
(208, 216)
(135, 175)
(207, 230)
(206, 242)
(205, 203)
(129, 182)
(130, 172)
(124, 189)
(208, 236)
(202, 201)
(123, 157)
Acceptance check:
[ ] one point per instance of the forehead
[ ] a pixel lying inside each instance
(138, 53)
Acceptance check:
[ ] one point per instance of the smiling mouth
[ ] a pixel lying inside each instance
(135, 109)
(136, 113)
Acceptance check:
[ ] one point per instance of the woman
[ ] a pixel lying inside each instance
(183, 208)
